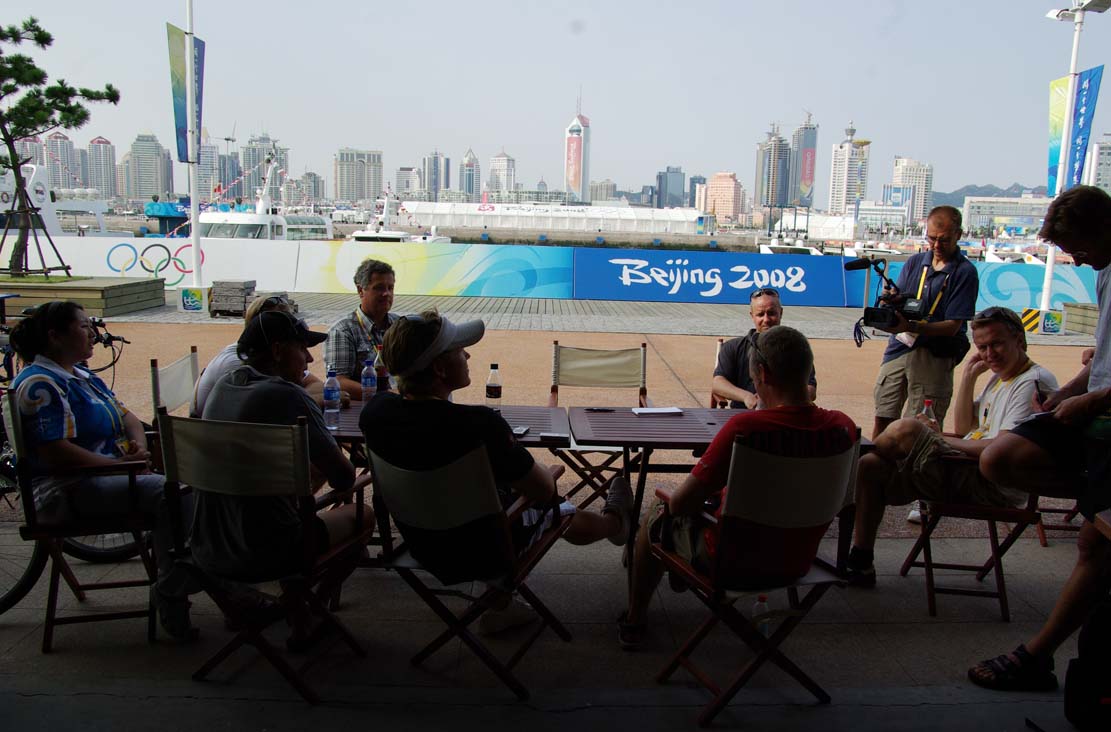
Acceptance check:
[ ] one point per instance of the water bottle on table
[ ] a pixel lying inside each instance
(331, 401)
(382, 374)
(493, 388)
(927, 416)
(369, 380)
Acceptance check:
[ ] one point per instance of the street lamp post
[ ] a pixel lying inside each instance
(1076, 15)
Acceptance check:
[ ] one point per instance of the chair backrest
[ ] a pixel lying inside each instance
(592, 367)
(714, 401)
(783, 492)
(13, 426)
(451, 517)
(173, 386)
(236, 458)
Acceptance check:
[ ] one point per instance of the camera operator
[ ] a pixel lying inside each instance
(921, 354)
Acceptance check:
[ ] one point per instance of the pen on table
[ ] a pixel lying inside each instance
(598, 409)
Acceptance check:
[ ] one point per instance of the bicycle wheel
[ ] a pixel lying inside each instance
(21, 562)
(101, 548)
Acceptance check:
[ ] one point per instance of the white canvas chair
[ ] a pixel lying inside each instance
(172, 386)
(599, 369)
(780, 499)
(453, 525)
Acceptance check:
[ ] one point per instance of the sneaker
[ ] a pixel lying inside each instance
(865, 577)
(630, 635)
(619, 500)
(513, 615)
(173, 613)
(914, 516)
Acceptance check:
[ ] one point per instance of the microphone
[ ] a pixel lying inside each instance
(862, 264)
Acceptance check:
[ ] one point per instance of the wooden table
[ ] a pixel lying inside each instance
(1103, 522)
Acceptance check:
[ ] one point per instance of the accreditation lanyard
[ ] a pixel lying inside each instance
(922, 287)
(985, 421)
(368, 329)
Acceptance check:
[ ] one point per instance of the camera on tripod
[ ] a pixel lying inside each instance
(885, 313)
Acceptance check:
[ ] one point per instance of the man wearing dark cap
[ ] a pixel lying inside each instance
(422, 429)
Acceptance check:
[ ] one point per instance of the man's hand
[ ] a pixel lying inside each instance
(975, 366)
(1051, 401)
(1077, 409)
(1087, 355)
(901, 324)
(344, 400)
(752, 400)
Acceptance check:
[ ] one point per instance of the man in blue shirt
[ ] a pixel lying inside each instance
(922, 352)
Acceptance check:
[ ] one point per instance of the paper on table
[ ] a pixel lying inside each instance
(648, 411)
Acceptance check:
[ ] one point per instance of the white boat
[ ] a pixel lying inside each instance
(991, 254)
(798, 247)
(382, 233)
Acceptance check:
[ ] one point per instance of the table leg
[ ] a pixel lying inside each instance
(638, 501)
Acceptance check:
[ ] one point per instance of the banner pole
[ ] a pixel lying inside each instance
(192, 134)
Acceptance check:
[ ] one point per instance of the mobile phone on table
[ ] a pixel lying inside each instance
(520, 431)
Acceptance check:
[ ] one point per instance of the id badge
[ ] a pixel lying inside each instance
(906, 338)
(123, 445)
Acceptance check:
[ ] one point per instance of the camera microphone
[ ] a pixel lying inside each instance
(861, 264)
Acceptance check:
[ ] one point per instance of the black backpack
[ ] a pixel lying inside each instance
(1088, 680)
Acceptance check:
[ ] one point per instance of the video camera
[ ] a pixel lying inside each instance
(884, 314)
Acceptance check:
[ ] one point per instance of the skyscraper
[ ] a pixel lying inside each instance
(470, 177)
(694, 182)
(910, 172)
(230, 171)
(503, 173)
(30, 147)
(848, 174)
(312, 185)
(146, 169)
(253, 158)
(168, 172)
(724, 196)
(773, 167)
(82, 171)
(123, 176)
(670, 188)
(435, 174)
(804, 155)
(102, 167)
(576, 158)
(408, 181)
(1100, 161)
(208, 170)
(61, 161)
(357, 175)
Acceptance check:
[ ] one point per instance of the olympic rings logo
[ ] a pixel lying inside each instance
(155, 259)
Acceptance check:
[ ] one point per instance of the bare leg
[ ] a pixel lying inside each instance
(879, 424)
(895, 443)
(647, 573)
(1016, 462)
(588, 527)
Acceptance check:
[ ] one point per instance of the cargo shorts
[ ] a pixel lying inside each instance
(905, 381)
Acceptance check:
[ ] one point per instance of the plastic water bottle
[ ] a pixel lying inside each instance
(381, 372)
(760, 607)
(369, 380)
(927, 416)
(331, 401)
(493, 388)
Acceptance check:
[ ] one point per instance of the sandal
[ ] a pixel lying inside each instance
(1017, 671)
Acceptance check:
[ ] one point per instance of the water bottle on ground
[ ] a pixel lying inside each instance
(927, 416)
(369, 380)
(331, 401)
(381, 372)
(760, 607)
(493, 388)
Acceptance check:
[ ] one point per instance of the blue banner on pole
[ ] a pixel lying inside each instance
(176, 40)
(1084, 109)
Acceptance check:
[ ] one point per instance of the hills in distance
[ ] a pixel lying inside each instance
(956, 198)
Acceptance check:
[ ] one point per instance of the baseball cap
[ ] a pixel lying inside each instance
(276, 326)
(451, 336)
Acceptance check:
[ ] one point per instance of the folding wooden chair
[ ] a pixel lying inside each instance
(258, 460)
(774, 504)
(454, 526)
(602, 369)
(1066, 523)
(51, 534)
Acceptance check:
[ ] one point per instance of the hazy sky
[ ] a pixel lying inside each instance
(962, 84)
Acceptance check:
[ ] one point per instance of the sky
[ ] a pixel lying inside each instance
(962, 85)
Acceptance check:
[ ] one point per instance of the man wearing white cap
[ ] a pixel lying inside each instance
(422, 429)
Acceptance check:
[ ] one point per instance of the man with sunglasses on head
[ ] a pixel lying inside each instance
(1046, 455)
(909, 463)
(732, 379)
(356, 337)
(228, 357)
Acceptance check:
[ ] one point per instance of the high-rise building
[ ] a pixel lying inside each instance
(253, 159)
(848, 174)
(357, 175)
(168, 172)
(773, 169)
(910, 172)
(208, 171)
(123, 177)
(312, 184)
(230, 172)
(435, 174)
(503, 173)
(671, 185)
(723, 196)
(1099, 158)
(146, 169)
(542, 185)
(804, 156)
(470, 177)
(603, 190)
(694, 182)
(576, 158)
(61, 161)
(82, 166)
(407, 182)
(102, 167)
(30, 147)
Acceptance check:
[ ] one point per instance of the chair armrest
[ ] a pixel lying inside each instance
(553, 397)
(124, 466)
(514, 512)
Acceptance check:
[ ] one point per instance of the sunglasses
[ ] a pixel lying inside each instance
(1001, 315)
(763, 291)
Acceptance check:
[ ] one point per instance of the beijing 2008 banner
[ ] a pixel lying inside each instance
(1084, 108)
(1058, 93)
(176, 39)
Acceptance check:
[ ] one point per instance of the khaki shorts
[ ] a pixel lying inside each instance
(925, 475)
(687, 538)
(906, 380)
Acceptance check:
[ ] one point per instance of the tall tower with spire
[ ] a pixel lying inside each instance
(848, 174)
(576, 156)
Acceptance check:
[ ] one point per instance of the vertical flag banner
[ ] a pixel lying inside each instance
(1084, 108)
(1058, 93)
(176, 39)
(808, 150)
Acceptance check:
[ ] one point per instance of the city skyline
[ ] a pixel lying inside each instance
(644, 116)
